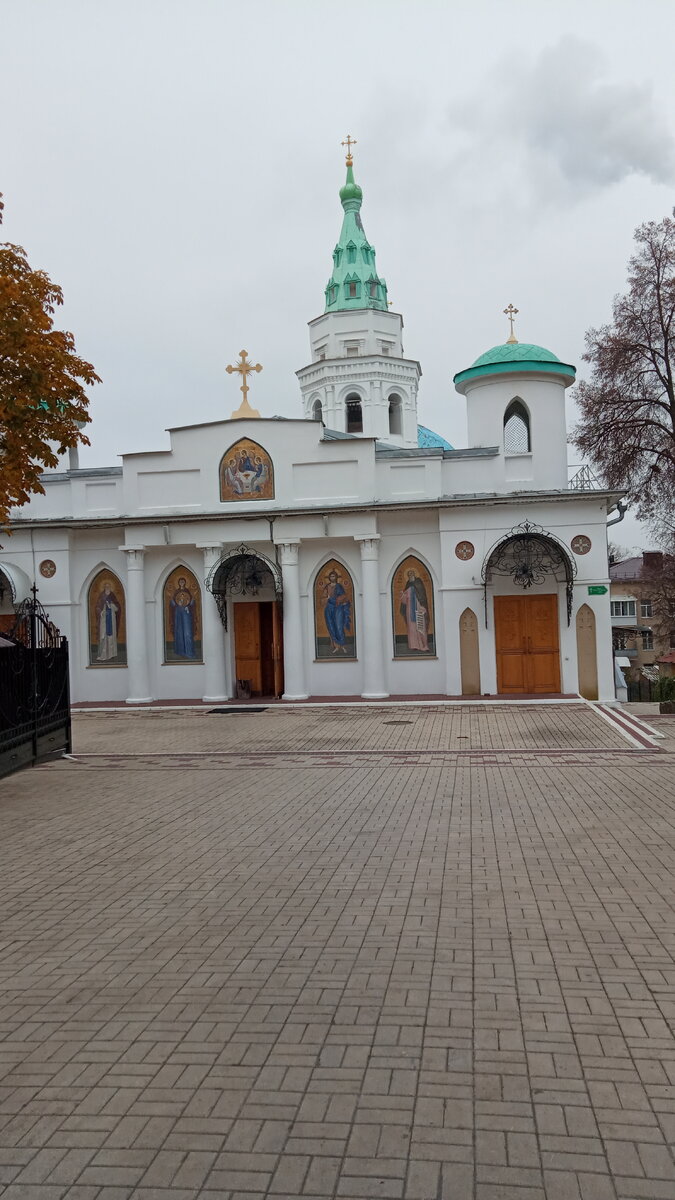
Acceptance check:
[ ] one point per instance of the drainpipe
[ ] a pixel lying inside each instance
(623, 508)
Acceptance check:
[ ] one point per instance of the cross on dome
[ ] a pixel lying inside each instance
(510, 312)
(349, 143)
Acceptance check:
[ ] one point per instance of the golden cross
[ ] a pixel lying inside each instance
(349, 143)
(510, 312)
(244, 368)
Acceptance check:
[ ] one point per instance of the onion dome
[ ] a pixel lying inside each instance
(354, 282)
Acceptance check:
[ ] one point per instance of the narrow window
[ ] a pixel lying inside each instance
(516, 429)
(354, 415)
(317, 411)
(373, 290)
(646, 609)
(351, 253)
(352, 289)
(647, 639)
(395, 416)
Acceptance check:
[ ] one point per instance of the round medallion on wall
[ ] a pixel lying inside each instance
(464, 550)
(581, 544)
(48, 568)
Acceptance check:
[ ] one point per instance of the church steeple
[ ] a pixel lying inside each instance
(354, 282)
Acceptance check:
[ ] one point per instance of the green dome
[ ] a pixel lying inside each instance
(515, 352)
(351, 189)
(515, 358)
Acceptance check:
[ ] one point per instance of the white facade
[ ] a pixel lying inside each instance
(348, 482)
(344, 498)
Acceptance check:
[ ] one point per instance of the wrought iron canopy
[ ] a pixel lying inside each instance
(242, 572)
(528, 553)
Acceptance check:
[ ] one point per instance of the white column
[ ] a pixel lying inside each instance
(137, 640)
(370, 640)
(216, 683)
(295, 687)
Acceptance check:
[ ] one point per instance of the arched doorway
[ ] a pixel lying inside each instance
(527, 623)
(246, 586)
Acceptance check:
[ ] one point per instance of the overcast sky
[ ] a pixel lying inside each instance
(175, 164)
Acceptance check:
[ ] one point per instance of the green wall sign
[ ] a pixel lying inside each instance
(597, 589)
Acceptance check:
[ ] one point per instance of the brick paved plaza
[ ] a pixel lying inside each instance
(416, 952)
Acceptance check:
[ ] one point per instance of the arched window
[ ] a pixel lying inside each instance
(354, 414)
(516, 428)
(6, 597)
(107, 621)
(334, 616)
(182, 605)
(395, 415)
(317, 411)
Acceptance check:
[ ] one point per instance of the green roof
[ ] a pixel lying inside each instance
(515, 357)
(354, 282)
(510, 351)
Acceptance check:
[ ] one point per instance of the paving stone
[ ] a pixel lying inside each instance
(311, 954)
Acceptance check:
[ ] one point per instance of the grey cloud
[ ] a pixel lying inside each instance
(555, 129)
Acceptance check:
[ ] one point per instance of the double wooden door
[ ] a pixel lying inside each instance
(527, 644)
(258, 646)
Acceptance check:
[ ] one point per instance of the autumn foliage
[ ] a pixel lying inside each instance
(43, 402)
(627, 426)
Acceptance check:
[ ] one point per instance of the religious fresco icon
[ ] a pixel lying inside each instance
(107, 621)
(334, 623)
(182, 618)
(412, 599)
(246, 473)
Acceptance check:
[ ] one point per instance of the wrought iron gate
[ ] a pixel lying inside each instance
(34, 690)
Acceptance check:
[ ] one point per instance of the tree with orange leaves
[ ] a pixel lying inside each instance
(43, 402)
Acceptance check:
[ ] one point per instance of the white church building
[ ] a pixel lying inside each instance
(348, 552)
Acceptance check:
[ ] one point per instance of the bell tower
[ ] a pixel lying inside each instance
(359, 381)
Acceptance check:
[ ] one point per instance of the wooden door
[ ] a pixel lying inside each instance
(247, 643)
(587, 654)
(278, 648)
(527, 645)
(543, 653)
(510, 643)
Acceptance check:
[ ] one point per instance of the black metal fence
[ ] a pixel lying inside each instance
(34, 690)
(643, 691)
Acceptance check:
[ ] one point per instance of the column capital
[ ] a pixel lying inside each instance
(135, 555)
(211, 551)
(370, 547)
(289, 552)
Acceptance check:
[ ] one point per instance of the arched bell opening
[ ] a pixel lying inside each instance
(354, 414)
(395, 415)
